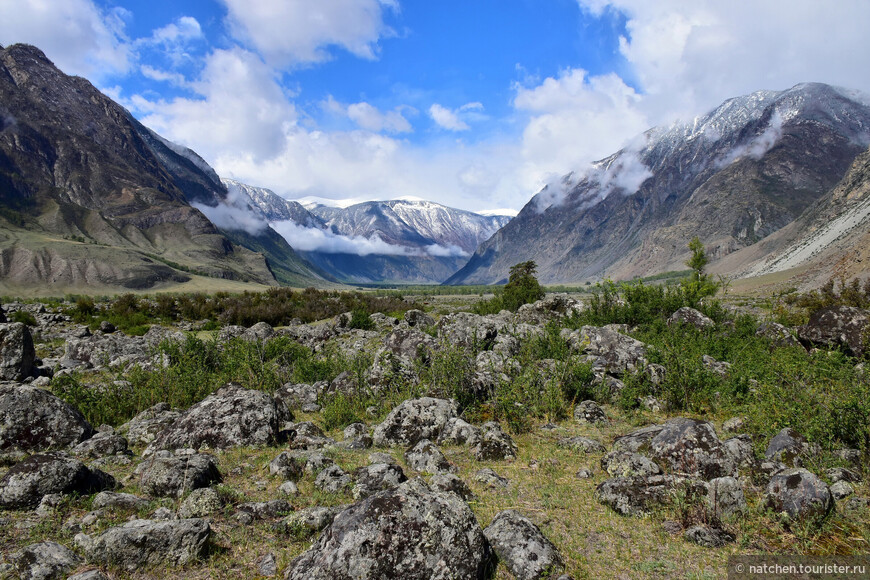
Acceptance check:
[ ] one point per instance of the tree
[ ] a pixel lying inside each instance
(700, 284)
(698, 261)
(522, 287)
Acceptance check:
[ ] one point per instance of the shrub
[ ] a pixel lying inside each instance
(361, 319)
(23, 317)
(522, 288)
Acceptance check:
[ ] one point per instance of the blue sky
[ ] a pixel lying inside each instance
(472, 103)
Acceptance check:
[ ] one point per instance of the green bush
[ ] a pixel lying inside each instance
(23, 317)
(522, 288)
(361, 319)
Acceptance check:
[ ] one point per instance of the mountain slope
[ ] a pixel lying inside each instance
(90, 197)
(731, 177)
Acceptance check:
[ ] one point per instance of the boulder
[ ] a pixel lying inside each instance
(264, 510)
(418, 318)
(836, 327)
(741, 452)
(628, 464)
(173, 476)
(26, 482)
(201, 502)
(17, 354)
(297, 395)
(786, 447)
(370, 479)
(102, 445)
(44, 561)
(777, 334)
(691, 447)
(836, 474)
(147, 543)
(470, 331)
(798, 494)
(34, 420)
(490, 479)
(842, 490)
(688, 315)
(708, 536)
(114, 500)
(413, 420)
(639, 495)
(589, 412)
(425, 457)
(637, 441)
(144, 427)
(449, 482)
(521, 546)
(422, 533)
(231, 417)
(609, 349)
(582, 444)
(494, 444)
(307, 521)
(459, 432)
(287, 467)
(551, 307)
(725, 497)
(333, 479)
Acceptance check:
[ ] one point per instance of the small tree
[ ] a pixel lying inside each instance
(522, 287)
(698, 261)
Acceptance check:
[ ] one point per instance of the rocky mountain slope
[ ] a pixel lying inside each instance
(731, 177)
(91, 198)
(405, 240)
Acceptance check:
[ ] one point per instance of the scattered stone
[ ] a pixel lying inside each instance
(146, 543)
(102, 445)
(162, 514)
(836, 326)
(494, 444)
(379, 457)
(589, 412)
(418, 318)
(121, 501)
(720, 368)
(34, 420)
(425, 457)
(413, 420)
(851, 456)
(691, 447)
(519, 543)
(89, 575)
(306, 435)
(333, 479)
(584, 473)
(107, 327)
(173, 476)
(26, 482)
(411, 528)
(798, 494)
(856, 504)
(296, 396)
(371, 479)
(786, 447)
(267, 565)
(44, 561)
(287, 467)
(451, 483)
(201, 502)
(741, 452)
(708, 536)
(231, 417)
(638, 495)
(17, 355)
(355, 430)
(288, 488)
(307, 522)
(582, 444)
(842, 490)
(264, 510)
(627, 464)
(144, 427)
(836, 474)
(490, 478)
(316, 462)
(725, 497)
(778, 334)
(688, 315)
(459, 432)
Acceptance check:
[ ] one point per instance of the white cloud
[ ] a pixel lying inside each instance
(758, 145)
(74, 34)
(296, 32)
(184, 29)
(234, 213)
(370, 118)
(447, 119)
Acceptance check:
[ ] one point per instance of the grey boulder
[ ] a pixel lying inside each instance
(26, 482)
(526, 552)
(17, 354)
(691, 447)
(413, 420)
(44, 561)
(798, 494)
(173, 476)
(34, 420)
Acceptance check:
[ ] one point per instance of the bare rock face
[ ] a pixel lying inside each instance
(836, 326)
(173, 476)
(32, 420)
(798, 494)
(423, 534)
(231, 417)
(16, 351)
(413, 420)
(691, 447)
(44, 561)
(25, 484)
(145, 543)
(526, 552)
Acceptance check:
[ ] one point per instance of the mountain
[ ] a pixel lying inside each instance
(403, 240)
(731, 177)
(89, 197)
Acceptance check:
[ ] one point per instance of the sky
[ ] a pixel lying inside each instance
(475, 104)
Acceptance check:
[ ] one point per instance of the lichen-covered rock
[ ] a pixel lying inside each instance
(786, 447)
(607, 348)
(688, 315)
(589, 412)
(371, 479)
(201, 502)
(459, 432)
(798, 494)
(778, 334)
(297, 395)
(102, 445)
(144, 427)
(44, 561)
(582, 444)
(173, 476)
(691, 447)
(842, 490)
(17, 354)
(264, 510)
(526, 552)
(836, 326)
(494, 444)
(418, 318)
(450, 482)
(637, 441)
(413, 420)
(628, 464)
(305, 435)
(741, 452)
(287, 467)
(34, 420)
(836, 474)
(410, 530)
(147, 543)
(333, 479)
(551, 307)
(708, 536)
(114, 500)
(308, 521)
(639, 495)
(26, 482)
(470, 330)
(231, 417)
(425, 457)
(725, 497)
(490, 478)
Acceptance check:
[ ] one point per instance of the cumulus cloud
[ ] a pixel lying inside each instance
(296, 32)
(234, 213)
(451, 119)
(77, 36)
(370, 118)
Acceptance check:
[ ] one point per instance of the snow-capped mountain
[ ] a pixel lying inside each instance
(402, 240)
(732, 177)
